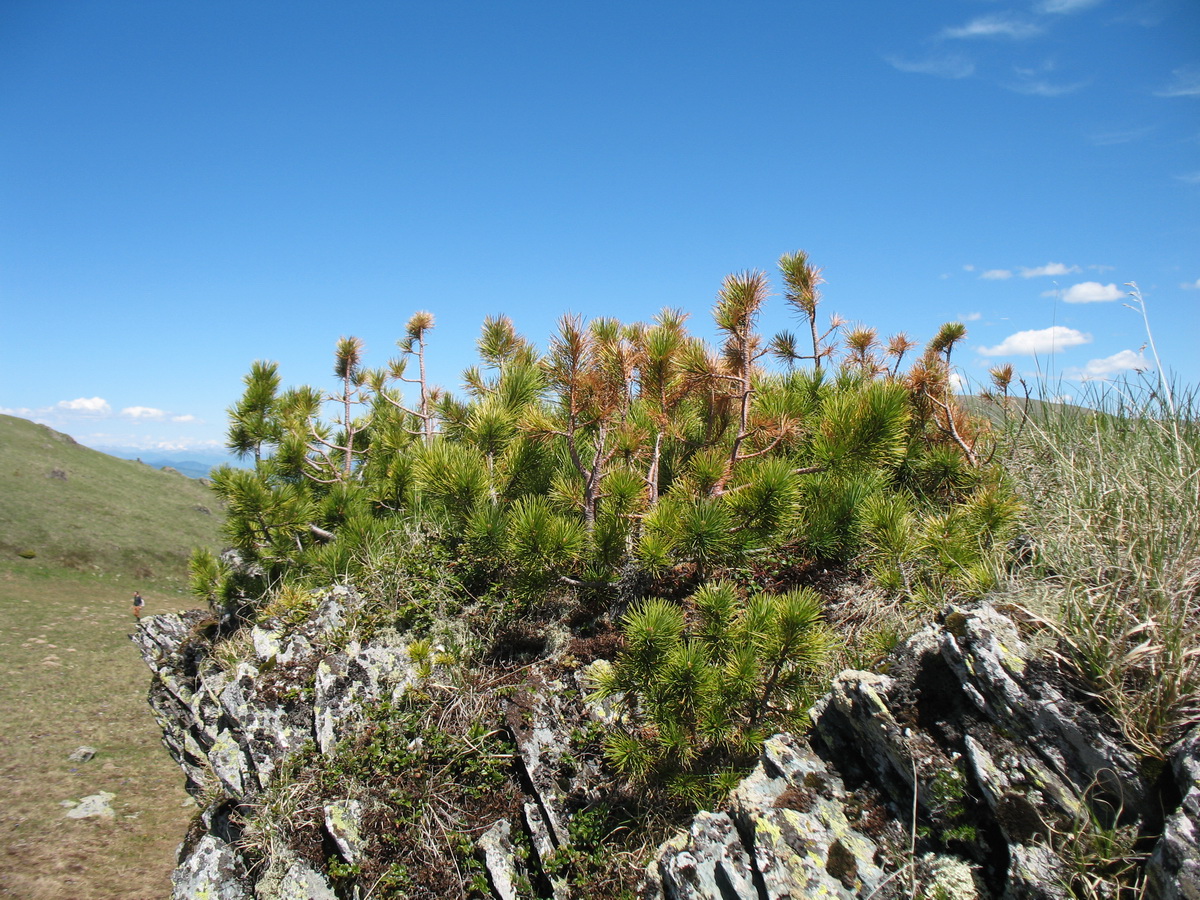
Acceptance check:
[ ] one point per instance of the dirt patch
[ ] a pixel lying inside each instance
(73, 678)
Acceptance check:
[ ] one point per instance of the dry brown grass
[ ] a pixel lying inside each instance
(69, 676)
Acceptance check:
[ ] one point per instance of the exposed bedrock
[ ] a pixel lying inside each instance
(963, 767)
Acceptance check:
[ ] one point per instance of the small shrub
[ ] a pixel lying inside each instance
(716, 689)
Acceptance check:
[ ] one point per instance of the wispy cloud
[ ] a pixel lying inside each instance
(998, 26)
(1191, 286)
(109, 441)
(1040, 87)
(1190, 178)
(1100, 369)
(1065, 7)
(66, 412)
(1031, 343)
(1185, 83)
(1111, 138)
(951, 66)
(1049, 269)
(971, 317)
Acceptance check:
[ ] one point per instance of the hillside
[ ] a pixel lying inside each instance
(81, 509)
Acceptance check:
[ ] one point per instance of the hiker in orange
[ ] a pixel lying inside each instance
(138, 603)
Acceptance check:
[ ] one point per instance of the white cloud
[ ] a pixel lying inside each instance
(1031, 343)
(971, 317)
(1187, 286)
(968, 268)
(184, 419)
(91, 406)
(957, 382)
(1092, 292)
(185, 444)
(994, 26)
(1065, 7)
(109, 442)
(1190, 178)
(22, 411)
(996, 274)
(143, 412)
(1185, 84)
(952, 66)
(1048, 269)
(1098, 369)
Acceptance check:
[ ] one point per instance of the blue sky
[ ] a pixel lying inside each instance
(186, 187)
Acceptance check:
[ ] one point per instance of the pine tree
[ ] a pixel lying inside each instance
(252, 420)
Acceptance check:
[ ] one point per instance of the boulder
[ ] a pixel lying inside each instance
(212, 871)
(94, 806)
(293, 879)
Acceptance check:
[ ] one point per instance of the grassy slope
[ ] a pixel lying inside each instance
(108, 515)
(69, 675)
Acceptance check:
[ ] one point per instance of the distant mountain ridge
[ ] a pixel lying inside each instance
(192, 463)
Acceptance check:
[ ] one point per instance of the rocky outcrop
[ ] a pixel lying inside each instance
(960, 769)
(964, 765)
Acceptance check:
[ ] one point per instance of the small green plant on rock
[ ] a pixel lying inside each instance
(715, 689)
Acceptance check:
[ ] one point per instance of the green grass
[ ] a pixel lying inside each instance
(76, 508)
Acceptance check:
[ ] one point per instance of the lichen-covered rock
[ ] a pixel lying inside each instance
(708, 863)
(965, 728)
(987, 654)
(228, 764)
(499, 860)
(343, 821)
(946, 877)
(958, 768)
(94, 806)
(293, 879)
(786, 834)
(541, 720)
(269, 727)
(347, 680)
(212, 871)
(792, 809)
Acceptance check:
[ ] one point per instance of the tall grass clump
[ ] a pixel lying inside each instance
(1112, 488)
